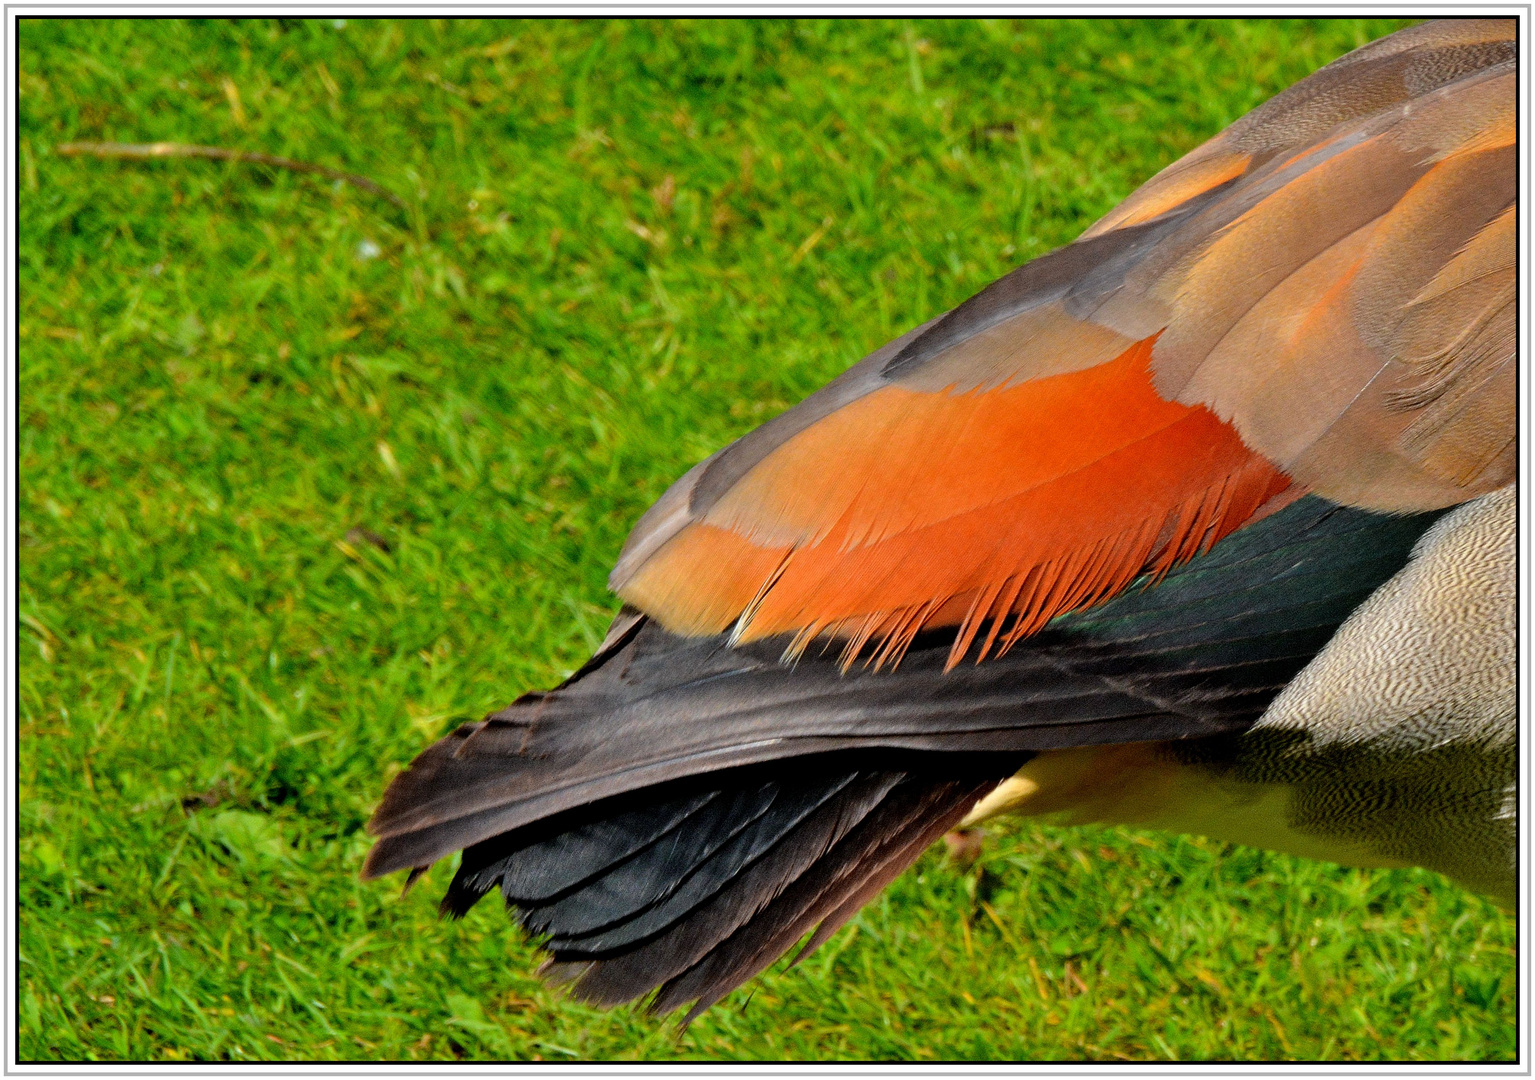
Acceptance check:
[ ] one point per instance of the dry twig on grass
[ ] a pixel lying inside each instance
(218, 153)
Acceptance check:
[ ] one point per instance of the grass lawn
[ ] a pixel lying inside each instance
(308, 478)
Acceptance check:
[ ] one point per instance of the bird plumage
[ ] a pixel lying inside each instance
(1129, 524)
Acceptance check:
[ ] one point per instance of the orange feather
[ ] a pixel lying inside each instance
(909, 509)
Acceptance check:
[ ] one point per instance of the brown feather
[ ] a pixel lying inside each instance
(1297, 321)
(1305, 276)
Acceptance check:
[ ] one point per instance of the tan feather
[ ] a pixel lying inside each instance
(1328, 319)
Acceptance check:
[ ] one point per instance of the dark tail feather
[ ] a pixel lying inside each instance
(546, 869)
(1200, 654)
(698, 891)
(915, 813)
(680, 813)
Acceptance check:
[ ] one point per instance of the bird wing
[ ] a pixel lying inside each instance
(1321, 298)
(1200, 654)
(645, 818)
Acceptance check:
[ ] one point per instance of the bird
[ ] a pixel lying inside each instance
(1203, 522)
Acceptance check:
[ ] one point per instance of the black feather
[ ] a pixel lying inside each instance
(913, 814)
(1196, 654)
(679, 813)
(677, 881)
(641, 969)
(542, 870)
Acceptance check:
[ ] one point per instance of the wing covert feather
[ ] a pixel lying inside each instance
(1325, 295)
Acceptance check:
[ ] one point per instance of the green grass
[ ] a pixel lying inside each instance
(624, 244)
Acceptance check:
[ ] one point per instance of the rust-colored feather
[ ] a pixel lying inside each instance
(871, 521)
